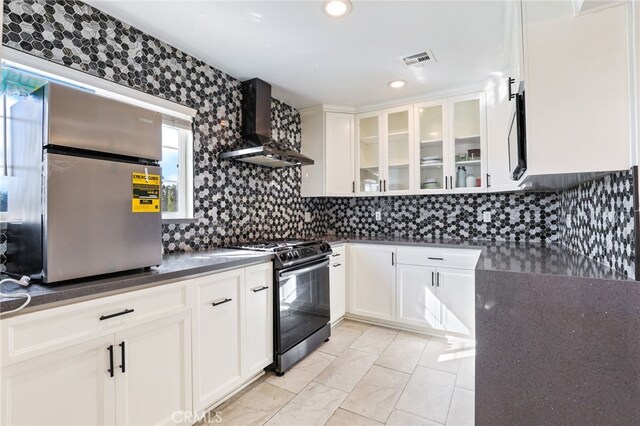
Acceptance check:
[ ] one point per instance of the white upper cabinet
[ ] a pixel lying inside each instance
(577, 89)
(398, 151)
(339, 129)
(451, 147)
(429, 147)
(468, 151)
(369, 153)
(328, 138)
(431, 136)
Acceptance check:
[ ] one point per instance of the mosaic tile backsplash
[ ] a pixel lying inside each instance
(529, 216)
(232, 200)
(597, 219)
(236, 201)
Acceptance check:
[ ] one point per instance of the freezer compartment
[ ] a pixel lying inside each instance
(83, 120)
(90, 226)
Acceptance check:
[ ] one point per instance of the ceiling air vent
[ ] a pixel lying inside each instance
(418, 58)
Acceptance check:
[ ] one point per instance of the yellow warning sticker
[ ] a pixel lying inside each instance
(145, 193)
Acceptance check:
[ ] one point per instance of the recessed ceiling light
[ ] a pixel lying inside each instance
(337, 8)
(396, 84)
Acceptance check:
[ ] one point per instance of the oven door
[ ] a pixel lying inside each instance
(303, 303)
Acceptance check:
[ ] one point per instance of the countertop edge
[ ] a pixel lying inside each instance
(122, 283)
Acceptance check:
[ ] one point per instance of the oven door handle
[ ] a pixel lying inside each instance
(323, 264)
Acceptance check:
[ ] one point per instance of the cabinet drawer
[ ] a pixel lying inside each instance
(32, 334)
(433, 256)
(338, 253)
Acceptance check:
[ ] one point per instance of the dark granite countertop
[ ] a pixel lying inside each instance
(504, 256)
(173, 266)
(500, 256)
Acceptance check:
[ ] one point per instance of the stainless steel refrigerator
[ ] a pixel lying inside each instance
(85, 192)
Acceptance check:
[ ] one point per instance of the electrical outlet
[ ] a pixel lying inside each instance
(568, 221)
(307, 217)
(378, 215)
(486, 217)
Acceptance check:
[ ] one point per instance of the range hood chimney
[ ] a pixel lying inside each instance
(259, 147)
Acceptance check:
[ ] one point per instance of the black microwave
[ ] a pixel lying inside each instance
(518, 137)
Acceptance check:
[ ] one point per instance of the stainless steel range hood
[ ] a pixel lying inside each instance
(259, 148)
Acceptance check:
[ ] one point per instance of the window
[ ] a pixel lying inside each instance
(177, 170)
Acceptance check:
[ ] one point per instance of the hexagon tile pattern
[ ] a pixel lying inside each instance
(235, 201)
(601, 221)
(232, 200)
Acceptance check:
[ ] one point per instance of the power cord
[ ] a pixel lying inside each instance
(24, 281)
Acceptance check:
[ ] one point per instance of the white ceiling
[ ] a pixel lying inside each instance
(312, 59)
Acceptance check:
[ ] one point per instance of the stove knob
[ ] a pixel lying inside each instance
(289, 255)
(296, 254)
(325, 247)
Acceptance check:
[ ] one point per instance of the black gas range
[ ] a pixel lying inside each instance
(301, 305)
(290, 252)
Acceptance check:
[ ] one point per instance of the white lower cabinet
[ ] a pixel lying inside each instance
(127, 359)
(139, 376)
(456, 294)
(437, 298)
(65, 387)
(258, 333)
(337, 278)
(233, 329)
(153, 371)
(417, 299)
(409, 286)
(217, 315)
(373, 281)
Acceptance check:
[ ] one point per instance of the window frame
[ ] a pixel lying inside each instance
(185, 170)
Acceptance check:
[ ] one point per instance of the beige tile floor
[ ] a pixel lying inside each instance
(365, 375)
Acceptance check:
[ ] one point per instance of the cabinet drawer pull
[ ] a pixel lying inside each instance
(257, 289)
(335, 255)
(337, 264)
(435, 258)
(122, 355)
(220, 302)
(117, 314)
(110, 370)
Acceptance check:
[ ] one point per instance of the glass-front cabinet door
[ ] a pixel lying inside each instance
(468, 142)
(431, 143)
(368, 156)
(398, 144)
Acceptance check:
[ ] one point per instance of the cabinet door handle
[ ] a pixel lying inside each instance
(437, 279)
(488, 180)
(433, 280)
(380, 185)
(337, 264)
(393, 258)
(451, 181)
(110, 370)
(435, 258)
(220, 302)
(353, 186)
(257, 289)
(384, 185)
(511, 94)
(446, 182)
(117, 314)
(122, 355)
